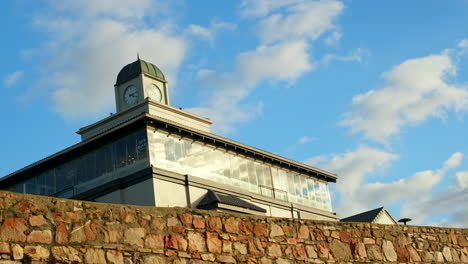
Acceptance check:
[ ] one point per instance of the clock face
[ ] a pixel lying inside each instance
(131, 95)
(154, 92)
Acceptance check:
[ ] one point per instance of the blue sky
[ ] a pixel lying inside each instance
(375, 91)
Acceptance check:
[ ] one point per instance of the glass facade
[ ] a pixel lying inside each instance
(186, 157)
(99, 166)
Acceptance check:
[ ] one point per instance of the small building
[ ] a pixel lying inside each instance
(150, 153)
(376, 216)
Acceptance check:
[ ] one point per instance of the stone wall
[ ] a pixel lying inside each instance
(37, 229)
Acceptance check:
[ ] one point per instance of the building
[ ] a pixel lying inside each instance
(376, 216)
(150, 153)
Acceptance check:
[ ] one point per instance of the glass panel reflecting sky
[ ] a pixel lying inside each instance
(172, 153)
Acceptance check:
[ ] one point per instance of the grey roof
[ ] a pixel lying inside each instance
(137, 67)
(365, 217)
(212, 198)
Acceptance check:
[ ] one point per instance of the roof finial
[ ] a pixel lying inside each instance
(138, 56)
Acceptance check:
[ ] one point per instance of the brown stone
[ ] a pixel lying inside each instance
(4, 248)
(176, 242)
(158, 223)
(368, 240)
(36, 252)
(213, 243)
(61, 234)
(127, 215)
(413, 254)
(226, 259)
(154, 260)
(134, 236)
(455, 256)
(260, 230)
(231, 225)
(240, 248)
(227, 246)
(276, 230)
(289, 230)
(282, 261)
(114, 256)
(66, 255)
(90, 231)
(173, 221)
(78, 234)
(323, 250)
(186, 219)
(447, 254)
(42, 237)
(111, 235)
(196, 242)
(439, 257)
(303, 232)
(358, 249)
(265, 260)
(274, 250)
(17, 250)
(214, 224)
(428, 257)
(95, 256)
(311, 253)
(154, 241)
(198, 222)
(207, 257)
(255, 247)
(37, 220)
(389, 251)
(13, 229)
(340, 250)
(374, 252)
(178, 229)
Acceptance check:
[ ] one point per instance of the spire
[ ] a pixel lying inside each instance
(138, 56)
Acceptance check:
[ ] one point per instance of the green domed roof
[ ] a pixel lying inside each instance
(137, 67)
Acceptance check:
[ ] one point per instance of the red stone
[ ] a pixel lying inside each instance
(127, 216)
(142, 223)
(260, 230)
(213, 243)
(61, 234)
(402, 254)
(214, 224)
(292, 241)
(318, 235)
(196, 242)
(186, 219)
(13, 229)
(198, 222)
(245, 228)
(345, 237)
(90, 231)
(176, 242)
(178, 229)
(231, 225)
(158, 223)
(300, 251)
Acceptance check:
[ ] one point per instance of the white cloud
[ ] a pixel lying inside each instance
(306, 20)
(462, 179)
(209, 33)
(354, 55)
(333, 38)
(284, 58)
(89, 47)
(304, 140)
(414, 91)
(12, 78)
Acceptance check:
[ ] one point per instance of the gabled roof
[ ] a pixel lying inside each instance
(213, 200)
(369, 216)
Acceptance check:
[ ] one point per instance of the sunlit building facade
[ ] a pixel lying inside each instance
(150, 153)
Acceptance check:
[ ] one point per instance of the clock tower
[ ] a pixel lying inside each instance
(136, 82)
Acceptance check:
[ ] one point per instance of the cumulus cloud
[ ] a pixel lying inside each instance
(309, 20)
(208, 34)
(359, 192)
(414, 91)
(12, 78)
(275, 59)
(90, 41)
